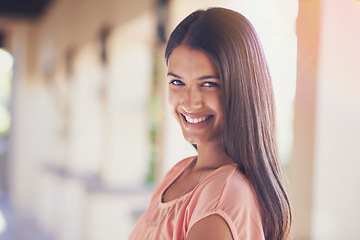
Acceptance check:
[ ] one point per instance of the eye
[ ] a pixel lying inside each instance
(176, 82)
(210, 84)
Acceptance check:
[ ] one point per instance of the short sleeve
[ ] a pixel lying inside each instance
(229, 195)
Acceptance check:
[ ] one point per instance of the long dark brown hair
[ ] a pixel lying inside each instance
(249, 133)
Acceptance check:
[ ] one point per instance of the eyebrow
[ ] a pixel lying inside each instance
(208, 77)
(200, 78)
(173, 75)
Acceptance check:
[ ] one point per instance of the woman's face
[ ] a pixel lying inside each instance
(195, 95)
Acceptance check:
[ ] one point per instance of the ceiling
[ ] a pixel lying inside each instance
(23, 8)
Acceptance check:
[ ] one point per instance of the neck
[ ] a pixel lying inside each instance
(211, 156)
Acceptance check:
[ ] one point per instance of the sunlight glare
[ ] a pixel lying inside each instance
(6, 62)
(2, 223)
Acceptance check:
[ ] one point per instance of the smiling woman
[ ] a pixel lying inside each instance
(195, 95)
(220, 93)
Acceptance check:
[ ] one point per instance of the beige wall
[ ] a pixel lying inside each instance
(301, 168)
(336, 179)
(323, 169)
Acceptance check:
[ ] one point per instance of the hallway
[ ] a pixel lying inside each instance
(85, 131)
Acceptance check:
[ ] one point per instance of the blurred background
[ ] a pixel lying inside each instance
(85, 134)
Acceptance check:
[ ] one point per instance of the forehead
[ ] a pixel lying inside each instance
(188, 62)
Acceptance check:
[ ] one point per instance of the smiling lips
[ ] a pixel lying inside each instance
(193, 120)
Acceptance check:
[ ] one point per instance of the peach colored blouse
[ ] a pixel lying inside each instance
(225, 192)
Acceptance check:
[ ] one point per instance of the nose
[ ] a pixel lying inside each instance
(192, 99)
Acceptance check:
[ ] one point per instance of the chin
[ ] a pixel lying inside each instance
(192, 139)
(197, 139)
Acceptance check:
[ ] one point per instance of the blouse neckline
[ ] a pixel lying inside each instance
(174, 201)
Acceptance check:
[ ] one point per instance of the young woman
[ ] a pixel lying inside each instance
(220, 92)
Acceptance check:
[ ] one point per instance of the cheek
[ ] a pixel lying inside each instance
(173, 101)
(215, 103)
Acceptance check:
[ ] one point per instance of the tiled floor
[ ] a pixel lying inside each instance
(19, 227)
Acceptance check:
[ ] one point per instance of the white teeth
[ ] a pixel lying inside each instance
(196, 120)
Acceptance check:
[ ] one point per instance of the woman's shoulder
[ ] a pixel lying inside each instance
(229, 194)
(228, 178)
(239, 193)
(238, 186)
(228, 189)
